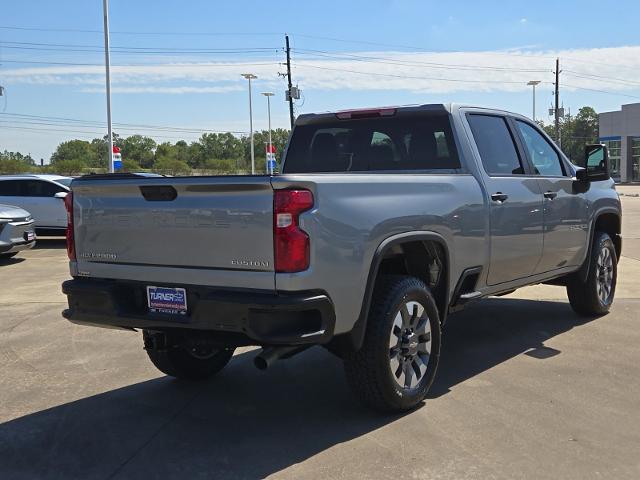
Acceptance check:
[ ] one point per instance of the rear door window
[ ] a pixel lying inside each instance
(9, 188)
(373, 144)
(495, 144)
(40, 188)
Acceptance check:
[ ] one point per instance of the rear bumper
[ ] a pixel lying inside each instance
(249, 317)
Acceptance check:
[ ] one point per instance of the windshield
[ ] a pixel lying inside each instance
(374, 144)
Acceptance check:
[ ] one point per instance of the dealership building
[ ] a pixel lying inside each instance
(620, 131)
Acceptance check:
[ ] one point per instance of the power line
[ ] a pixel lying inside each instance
(120, 32)
(146, 52)
(76, 125)
(590, 76)
(601, 91)
(96, 123)
(167, 64)
(419, 49)
(73, 45)
(304, 65)
(373, 59)
(604, 64)
(86, 133)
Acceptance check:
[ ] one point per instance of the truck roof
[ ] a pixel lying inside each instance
(390, 110)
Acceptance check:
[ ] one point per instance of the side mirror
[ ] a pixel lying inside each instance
(596, 163)
(61, 195)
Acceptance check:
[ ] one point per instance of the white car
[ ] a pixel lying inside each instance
(42, 196)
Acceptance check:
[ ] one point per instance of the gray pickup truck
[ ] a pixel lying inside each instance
(381, 224)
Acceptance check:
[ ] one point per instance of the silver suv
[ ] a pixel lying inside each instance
(16, 231)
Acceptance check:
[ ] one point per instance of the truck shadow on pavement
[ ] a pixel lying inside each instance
(51, 243)
(246, 423)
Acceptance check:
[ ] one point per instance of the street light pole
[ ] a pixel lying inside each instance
(270, 149)
(107, 64)
(533, 84)
(251, 76)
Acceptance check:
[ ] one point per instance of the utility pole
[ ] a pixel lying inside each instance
(286, 38)
(557, 107)
(107, 64)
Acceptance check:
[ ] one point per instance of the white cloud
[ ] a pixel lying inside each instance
(167, 90)
(523, 20)
(421, 72)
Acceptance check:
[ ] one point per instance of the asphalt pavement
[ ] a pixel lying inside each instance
(525, 389)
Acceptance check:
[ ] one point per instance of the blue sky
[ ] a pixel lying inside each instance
(177, 65)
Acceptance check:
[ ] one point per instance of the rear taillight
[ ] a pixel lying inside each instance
(291, 244)
(71, 246)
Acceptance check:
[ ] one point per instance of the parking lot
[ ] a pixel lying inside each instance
(526, 389)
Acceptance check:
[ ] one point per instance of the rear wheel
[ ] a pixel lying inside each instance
(594, 296)
(187, 361)
(397, 363)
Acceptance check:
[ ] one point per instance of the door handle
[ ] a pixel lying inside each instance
(550, 195)
(499, 197)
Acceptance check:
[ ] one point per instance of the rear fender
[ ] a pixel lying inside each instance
(356, 335)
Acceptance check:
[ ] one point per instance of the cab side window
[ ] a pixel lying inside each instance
(10, 188)
(495, 145)
(544, 157)
(38, 188)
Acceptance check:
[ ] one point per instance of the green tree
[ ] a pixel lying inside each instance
(196, 155)
(165, 151)
(220, 166)
(182, 153)
(70, 166)
(167, 161)
(138, 149)
(171, 166)
(279, 138)
(218, 146)
(576, 132)
(71, 157)
(130, 165)
(100, 148)
(15, 162)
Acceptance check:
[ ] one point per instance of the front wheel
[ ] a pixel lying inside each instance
(595, 295)
(187, 362)
(397, 363)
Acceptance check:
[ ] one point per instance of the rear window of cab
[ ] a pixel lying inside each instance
(381, 144)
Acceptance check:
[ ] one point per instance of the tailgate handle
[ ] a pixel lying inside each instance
(158, 193)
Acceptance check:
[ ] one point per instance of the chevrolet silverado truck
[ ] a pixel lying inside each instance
(381, 223)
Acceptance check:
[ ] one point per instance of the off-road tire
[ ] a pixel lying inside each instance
(583, 295)
(178, 362)
(369, 370)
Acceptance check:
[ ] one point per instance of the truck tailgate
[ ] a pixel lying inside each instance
(193, 223)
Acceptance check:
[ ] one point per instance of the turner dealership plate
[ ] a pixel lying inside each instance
(167, 300)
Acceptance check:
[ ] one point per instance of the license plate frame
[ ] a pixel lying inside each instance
(167, 300)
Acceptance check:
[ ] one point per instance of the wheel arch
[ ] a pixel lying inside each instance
(416, 247)
(609, 221)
